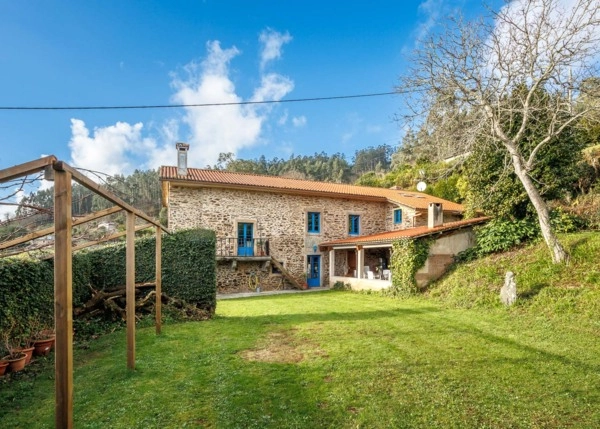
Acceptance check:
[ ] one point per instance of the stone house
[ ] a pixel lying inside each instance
(275, 231)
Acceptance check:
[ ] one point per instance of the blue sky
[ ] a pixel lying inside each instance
(117, 53)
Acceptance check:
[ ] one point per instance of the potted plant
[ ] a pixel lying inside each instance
(3, 362)
(15, 357)
(27, 348)
(43, 341)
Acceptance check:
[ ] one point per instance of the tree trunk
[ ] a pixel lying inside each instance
(558, 252)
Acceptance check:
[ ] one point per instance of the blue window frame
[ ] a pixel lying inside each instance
(397, 216)
(353, 224)
(313, 222)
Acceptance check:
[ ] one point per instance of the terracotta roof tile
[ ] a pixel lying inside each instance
(389, 236)
(205, 177)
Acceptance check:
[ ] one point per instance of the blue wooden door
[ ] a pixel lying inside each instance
(314, 271)
(245, 239)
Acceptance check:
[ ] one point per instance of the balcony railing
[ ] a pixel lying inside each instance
(242, 247)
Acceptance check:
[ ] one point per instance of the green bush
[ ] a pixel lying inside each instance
(339, 285)
(188, 273)
(563, 221)
(26, 293)
(188, 266)
(500, 235)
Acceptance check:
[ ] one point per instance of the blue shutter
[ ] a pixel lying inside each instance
(398, 216)
(313, 222)
(353, 224)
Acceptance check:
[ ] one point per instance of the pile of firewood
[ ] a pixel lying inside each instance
(112, 304)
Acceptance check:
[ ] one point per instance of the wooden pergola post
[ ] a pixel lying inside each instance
(158, 302)
(130, 289)
(63, 300)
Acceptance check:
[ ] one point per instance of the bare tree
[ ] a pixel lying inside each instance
(494, 69)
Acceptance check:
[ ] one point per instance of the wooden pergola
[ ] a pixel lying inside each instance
(63, 288)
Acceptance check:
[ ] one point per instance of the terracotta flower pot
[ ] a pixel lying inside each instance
(43, 347)
(28, 354)
(16, 363)
(3, 366)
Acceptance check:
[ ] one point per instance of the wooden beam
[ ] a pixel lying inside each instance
(63, 301)
(50, 230)
(30, 167)
(130, 290)
(111, 237)
(158, 304)
(285, 273)
(93, 186)
(92, 243)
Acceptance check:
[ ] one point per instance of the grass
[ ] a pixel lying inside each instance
(348, 360)
(547, 289)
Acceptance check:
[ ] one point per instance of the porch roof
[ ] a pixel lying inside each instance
(233, 180)
(391, 236)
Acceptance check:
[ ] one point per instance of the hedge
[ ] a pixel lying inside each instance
(188, 273)
(26, 294)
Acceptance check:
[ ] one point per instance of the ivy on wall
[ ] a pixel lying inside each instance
(188, 273)
(408, 255)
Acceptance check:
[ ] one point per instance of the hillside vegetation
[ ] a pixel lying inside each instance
(550, 290)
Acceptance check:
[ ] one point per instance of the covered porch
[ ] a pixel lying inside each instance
(361, 267)
(363, 262)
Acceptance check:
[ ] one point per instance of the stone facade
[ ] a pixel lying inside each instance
(282, 219)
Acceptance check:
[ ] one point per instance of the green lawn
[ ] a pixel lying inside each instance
(332, 360)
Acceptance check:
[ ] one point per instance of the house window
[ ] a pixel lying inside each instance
(353, 224)
(397, 216)
(314, 222)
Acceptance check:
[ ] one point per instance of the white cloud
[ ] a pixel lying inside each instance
(564, 39)
(209, 130)
(347, 136)
(273, 87)
(431, 9)
(109, 148)
(283, 118)
(299, 121)
(217, 129)
(273, 42)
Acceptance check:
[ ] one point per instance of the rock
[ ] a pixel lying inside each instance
(508, 293)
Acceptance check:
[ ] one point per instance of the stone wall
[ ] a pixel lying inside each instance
(236, 278)
(280, 218)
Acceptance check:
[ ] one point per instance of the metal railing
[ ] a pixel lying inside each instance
(242, 247)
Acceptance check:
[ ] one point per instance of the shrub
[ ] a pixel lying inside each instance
(339, 285)
(500, 235)
(188, 266)
(587, 208)
(26, 293)
(188, 272)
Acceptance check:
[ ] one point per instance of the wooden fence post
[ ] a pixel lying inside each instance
(130, 289)
(63, 300)
(157, 305)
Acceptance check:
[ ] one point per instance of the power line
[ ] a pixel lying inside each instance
(170, 106)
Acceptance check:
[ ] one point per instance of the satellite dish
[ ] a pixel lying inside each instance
(421, 186)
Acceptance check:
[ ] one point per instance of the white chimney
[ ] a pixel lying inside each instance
(182, 149)
(435, 215)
